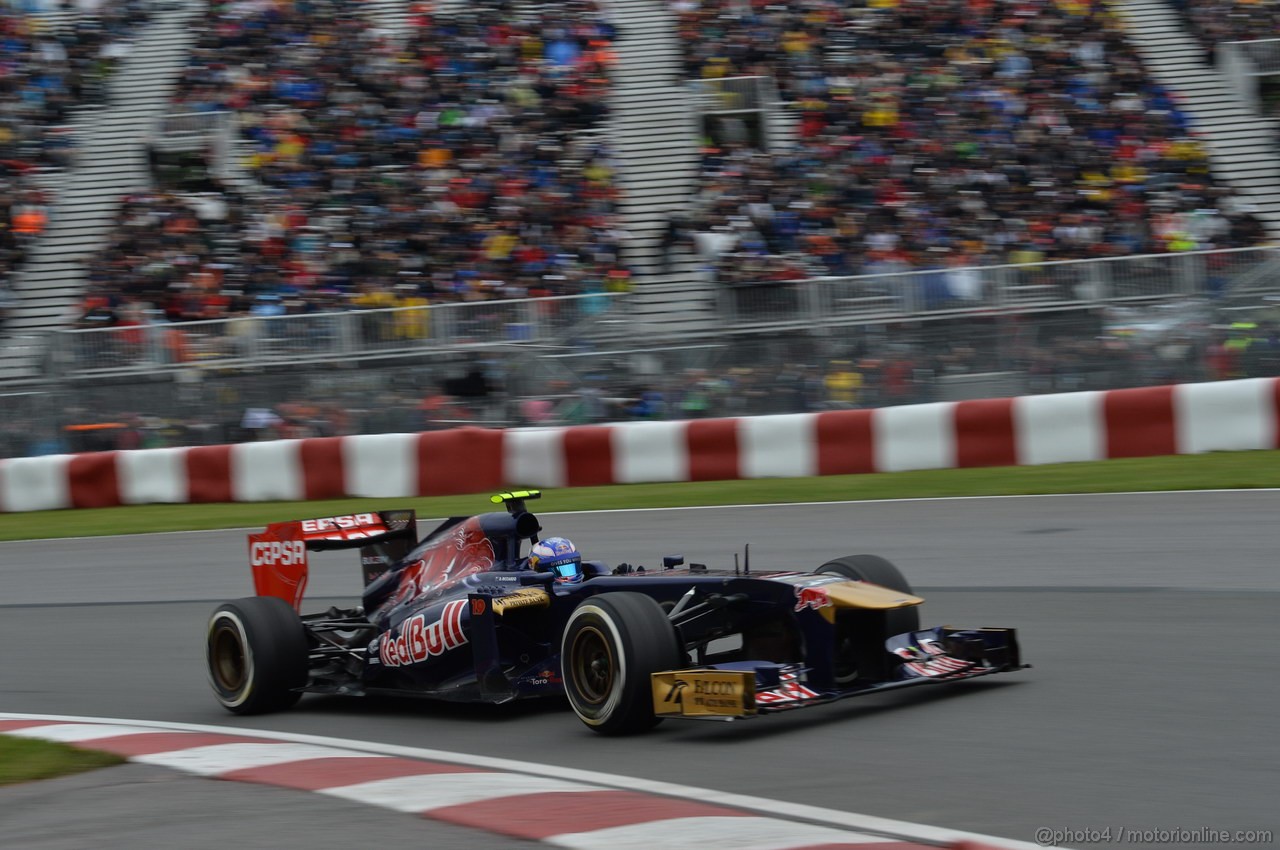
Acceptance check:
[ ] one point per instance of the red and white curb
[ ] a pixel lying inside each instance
(563, 807)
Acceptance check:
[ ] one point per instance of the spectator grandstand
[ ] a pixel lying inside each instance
(462, 157)
(49, 65)
(936, 134)
(52, 64)
(458, 166)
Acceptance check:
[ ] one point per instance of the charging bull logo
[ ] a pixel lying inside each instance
(812, 597)
(419, 640)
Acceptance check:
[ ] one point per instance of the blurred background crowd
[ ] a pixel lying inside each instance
(399, 173)
(950, 133)
(459, 165)
(466, 160)
(49, 67)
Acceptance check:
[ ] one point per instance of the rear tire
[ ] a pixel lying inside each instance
(611, 645)
(256, 651)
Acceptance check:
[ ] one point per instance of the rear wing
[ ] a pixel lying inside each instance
(278, 555)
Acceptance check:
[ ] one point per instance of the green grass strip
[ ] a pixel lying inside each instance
(25, 760)
(1225, 470)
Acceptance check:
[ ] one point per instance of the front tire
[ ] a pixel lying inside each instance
(850, 654)
(256, 651)
(876, 570)
(611, 645)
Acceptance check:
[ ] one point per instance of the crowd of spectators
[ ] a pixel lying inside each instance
(49, 64)
(955, 132)
(163, 260)
(458, 165)
(23, 214)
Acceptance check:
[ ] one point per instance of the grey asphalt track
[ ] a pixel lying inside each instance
(1150, 621)
(1179, 540)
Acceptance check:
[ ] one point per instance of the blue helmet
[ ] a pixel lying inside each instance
(559, 555)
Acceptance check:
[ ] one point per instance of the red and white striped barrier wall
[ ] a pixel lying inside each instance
(1181, 419)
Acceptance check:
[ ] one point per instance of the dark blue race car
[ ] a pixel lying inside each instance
(471, 612)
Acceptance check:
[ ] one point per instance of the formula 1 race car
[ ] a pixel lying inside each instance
(462, 615)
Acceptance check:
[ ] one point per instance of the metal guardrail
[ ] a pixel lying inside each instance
(184, 123)
(984, 289)
(190, 130)
(325, 337)
(1263, 54)
(1261, 276)
(733, 94)
(554, 323)
(1244, 63)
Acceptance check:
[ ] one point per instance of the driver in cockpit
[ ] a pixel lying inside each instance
(557, 555)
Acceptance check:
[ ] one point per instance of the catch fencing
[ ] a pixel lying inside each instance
(1063, 284)
(265, 340)
(730, 375)
(810, 305)
(562, 362)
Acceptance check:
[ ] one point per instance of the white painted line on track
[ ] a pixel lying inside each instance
(424, 520)
(769, 808)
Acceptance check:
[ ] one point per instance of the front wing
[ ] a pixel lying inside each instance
(751, 688)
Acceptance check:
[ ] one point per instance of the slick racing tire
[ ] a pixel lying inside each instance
(256, 649)
(611, 645)
(876, 570)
